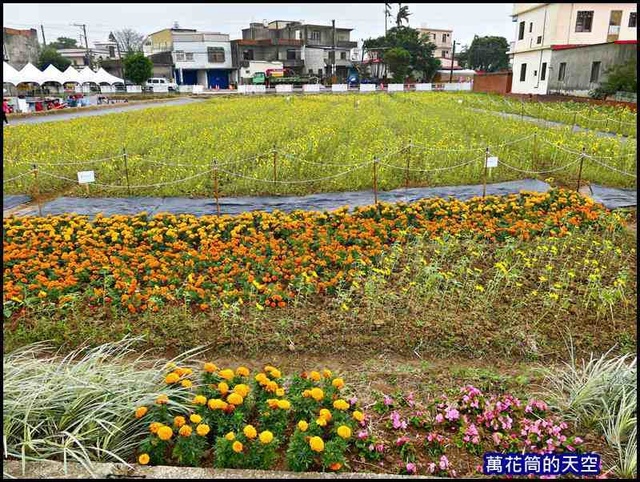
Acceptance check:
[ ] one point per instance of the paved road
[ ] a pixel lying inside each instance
(90, 113)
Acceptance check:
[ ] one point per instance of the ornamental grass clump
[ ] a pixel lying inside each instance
(79, 407)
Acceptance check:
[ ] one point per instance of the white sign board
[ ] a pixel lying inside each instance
(339, 88)
(492, 162)
(160, 88)
(259, 89)
(242, 89)
(396, 87)
(185, 88)
(198, 89)
(311, 88)
(107, 89)
(423, 87)
(86, 89)
(284, 88)
(134, 89)
(367, 87)
(85, 177)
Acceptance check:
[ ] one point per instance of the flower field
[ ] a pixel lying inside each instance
(140, 263)
(302, 145)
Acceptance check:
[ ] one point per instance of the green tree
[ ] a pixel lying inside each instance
(419, 47)
(64, 43)
(622, 77)
(137, 68)
(463, 57)
(488, 54)
(398, 60)
(403, 15)
(50, 56)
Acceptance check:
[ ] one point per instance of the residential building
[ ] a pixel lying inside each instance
(442, 39)
(78, 56)
(542, 29)
(19, 47)
(162, 40)
(318, 50)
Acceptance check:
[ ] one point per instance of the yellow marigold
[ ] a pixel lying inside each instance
(186, 383)
(335, 466)
(284, 404)
(326, 373)
(179, 371)
(165, 433)
(217, 404)
(171, 378)
(324, 413)
(223, 388)
(266, 437)
(227, 374)
(338, 383)
(306, 393)
(179, 421)
(317, 394)
(143, 459)
(344, 431)
(141, 412)
(275, 373)
(187, 371)
(210, 367)
(185, 431)
(154, 427)
(315, 376)
(235, 399)
(242, 371)
(272, 386)
(280, 392)
(321, 421)
(303, 425)
(250, 432)
(260, 377)
(162, 399)
(272, 402)
(358, 415)
(237, 447)
(195, 418)
(230, 436)
(316, 444)
(200, 400)
(202, 429)
(268, 368)
(341, 404)
(242, 390)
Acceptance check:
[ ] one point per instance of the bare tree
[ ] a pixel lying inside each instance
(128, 40)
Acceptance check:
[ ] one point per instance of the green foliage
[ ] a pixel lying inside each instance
(622, 77)
(64, 43)
(488, 54)
(402, 16)
(137, 68)
(398, 60)
(50, 56)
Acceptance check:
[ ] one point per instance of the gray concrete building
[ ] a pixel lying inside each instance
(19, 47)
(577, 69)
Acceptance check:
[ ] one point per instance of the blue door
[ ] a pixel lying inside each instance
(189, 77)
(218, 78)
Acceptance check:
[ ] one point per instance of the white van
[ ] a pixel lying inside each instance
(160, 84)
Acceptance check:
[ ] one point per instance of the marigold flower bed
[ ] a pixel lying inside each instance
(140, 263)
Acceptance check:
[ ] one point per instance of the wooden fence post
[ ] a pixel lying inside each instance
(35, 178)
(126, 169)
(215, 185)
(484, 173)
(406, 180)
(375, 180)
(275, 160)
(580, 169)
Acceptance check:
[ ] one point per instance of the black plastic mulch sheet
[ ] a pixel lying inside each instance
(12, 200)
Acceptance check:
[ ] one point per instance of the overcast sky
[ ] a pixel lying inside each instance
(367, 19)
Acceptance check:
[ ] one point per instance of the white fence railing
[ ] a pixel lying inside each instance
(284, 88)
(339, 88)
(367, 87)
(311, 88)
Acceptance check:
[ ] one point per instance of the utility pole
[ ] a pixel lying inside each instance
(333, 51)
(453, 55)
(44, 40)
(86, 41)
(387, 14)
(112, 38)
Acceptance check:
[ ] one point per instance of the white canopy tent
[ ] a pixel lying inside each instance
(52, 74)
(86, 76)
(9, 74)
(70, 75)
(30, 73)
(104, 77)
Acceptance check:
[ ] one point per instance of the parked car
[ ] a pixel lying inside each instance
(155, 81)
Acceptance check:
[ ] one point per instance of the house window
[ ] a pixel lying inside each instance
(523, 72)
(521, 31)
(539, 40)
(247, 55)
(535, 73)
(561, 70)
(215, 55)
(310, 71)
(320, 72)
(291, 54)
(445, 53)
(112, 51)
(189, 56)
(530, 27)
(179, 56)
(343, 56)
(314, 35)
(584, 21)
(632, 20)
(595, 71)
(543, 72)
(444, 38)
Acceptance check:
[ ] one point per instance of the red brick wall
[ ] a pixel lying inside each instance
(497, 83)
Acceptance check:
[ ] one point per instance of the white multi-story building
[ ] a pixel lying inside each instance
(543, 28)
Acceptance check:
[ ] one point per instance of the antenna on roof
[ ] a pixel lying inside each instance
(176, 24)
(264, 22)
